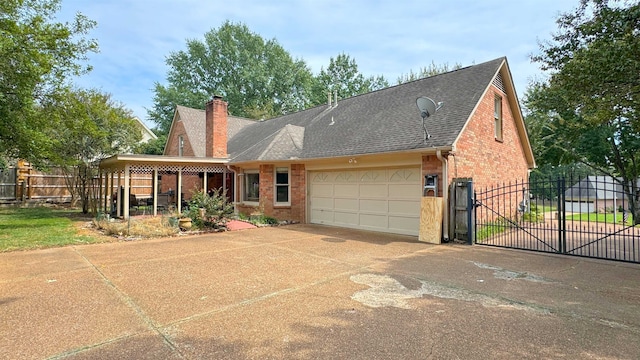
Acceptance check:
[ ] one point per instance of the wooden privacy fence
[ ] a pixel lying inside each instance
(23, 183)
(8, 184)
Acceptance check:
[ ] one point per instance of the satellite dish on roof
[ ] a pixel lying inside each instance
(427, 108)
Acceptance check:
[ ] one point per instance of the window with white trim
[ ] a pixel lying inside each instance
(180, 145)
(497, 117)
(282, 188)
(251, 188)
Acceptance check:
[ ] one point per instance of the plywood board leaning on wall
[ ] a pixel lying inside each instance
(431, 211)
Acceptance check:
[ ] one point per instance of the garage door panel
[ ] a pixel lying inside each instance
(373, 176)
(346, 190)
(404, 191)
(322, 177)
(346, 177)
(403, 225)
(323, 190)
(374, 206)
(374, 221)
(405, 175)
(374, 190)
(322, 203)
(346, 204)
(345, 218)
(322, 216)
(404, 207)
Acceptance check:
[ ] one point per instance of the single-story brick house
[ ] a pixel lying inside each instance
(596, 194)
(359, 162)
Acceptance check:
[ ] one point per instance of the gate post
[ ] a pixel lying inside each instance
(562, 234)
(471, 210)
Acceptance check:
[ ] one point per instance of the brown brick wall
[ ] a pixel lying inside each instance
(266, 189)
(480, 156)
(171, 148)
(430, 166)
(216, 128)
(297, 182)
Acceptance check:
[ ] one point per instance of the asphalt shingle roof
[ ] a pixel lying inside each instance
(596, 188)
(195, 127)
(386, 120)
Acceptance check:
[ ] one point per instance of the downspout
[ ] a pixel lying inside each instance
(235, 188)
(445, 194)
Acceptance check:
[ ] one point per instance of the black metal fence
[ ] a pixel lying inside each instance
(588, 217)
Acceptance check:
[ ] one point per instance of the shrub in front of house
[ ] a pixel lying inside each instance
(209, 210)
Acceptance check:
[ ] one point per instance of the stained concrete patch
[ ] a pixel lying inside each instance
(384, 291)
(387, 291)
(504, 274)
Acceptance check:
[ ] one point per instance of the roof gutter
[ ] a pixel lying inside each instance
(445, 194)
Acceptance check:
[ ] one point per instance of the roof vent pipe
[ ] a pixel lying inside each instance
(329, 98)
(335, 98)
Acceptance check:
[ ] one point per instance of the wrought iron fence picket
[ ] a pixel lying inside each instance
(511, 216)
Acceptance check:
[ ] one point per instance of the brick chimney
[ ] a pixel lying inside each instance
(216, 127)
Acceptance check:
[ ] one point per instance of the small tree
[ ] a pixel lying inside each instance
(87, 127)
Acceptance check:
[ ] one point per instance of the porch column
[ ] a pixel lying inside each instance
(127, 169)
(107, 193)
(108, 185)
(224, 180)
(239, 187)
(179, 192)
(100, 187)
(205, 183)
(110, 195)
(119, 195)
(155, 190)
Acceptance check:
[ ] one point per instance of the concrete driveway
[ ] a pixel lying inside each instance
(311, 292)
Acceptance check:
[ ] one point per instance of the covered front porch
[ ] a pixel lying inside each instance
(158, 182)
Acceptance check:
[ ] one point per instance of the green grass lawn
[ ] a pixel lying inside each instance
(490, 229)
(32, 228)
(604, 218)
(546, 208)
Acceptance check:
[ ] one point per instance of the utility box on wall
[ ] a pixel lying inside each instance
(430, 185)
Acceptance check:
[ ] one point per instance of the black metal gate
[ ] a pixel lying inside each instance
(588, 218)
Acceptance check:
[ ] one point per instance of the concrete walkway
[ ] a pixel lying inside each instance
(311, 292)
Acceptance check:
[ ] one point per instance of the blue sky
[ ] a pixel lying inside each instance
(387, 38)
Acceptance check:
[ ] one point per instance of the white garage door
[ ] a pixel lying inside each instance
(385, 200)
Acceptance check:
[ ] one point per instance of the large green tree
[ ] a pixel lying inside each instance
(342, 75)
(87, 125)
(37, 55)
(257, 77)
(589, 109)
(426, 71)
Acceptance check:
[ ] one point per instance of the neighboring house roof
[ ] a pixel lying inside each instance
(147, 134)
(382, 121)
(195, 126)
(594, 188)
